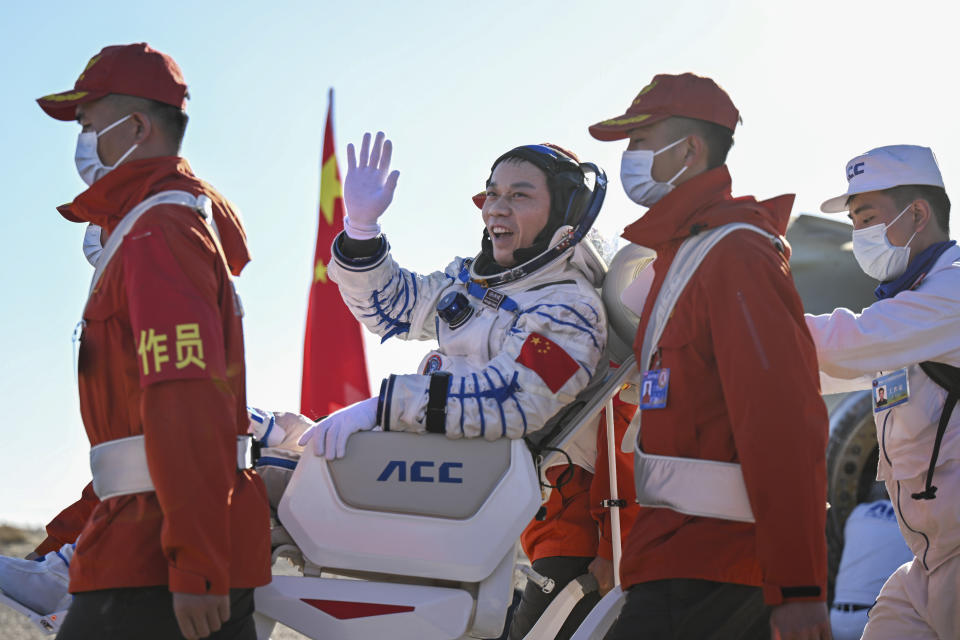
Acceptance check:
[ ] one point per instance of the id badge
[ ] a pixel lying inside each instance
(890, 390)
(653, 389)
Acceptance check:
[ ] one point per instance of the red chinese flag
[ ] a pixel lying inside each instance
(334, 368)
(548, 360)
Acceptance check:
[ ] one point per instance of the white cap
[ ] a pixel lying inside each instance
(885, 168)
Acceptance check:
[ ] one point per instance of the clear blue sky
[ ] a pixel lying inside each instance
(453, 84)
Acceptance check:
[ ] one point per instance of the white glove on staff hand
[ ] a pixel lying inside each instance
(369, 186)
(330, 434)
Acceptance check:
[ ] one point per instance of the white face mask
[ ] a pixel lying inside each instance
(92, 248)
(87, 159)
(637, 179)
(876, 256)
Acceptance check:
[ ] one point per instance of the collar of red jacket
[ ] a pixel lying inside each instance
(109, 199)
(705, 202)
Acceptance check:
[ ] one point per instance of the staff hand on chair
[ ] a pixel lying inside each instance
(602, 571)
(800, 621)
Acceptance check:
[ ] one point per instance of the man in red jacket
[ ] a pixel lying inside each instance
(172, 538)
(733, 379)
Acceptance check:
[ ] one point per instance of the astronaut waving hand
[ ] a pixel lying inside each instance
(520, 327)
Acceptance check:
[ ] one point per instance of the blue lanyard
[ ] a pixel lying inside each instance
(917, 268)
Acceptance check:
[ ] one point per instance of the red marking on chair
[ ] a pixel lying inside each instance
(349, 610)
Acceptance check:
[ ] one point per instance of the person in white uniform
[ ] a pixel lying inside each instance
(872, 550)
(520, 327)
(908, 343)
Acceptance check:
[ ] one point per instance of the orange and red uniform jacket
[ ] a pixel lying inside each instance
(574, 523)
(743, 388)
(162, 355)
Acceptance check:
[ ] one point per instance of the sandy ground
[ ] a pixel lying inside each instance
(13, 626)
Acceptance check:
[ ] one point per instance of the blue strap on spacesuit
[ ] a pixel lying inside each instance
(260, 416)
(500, 394)
(486, 295)
(270, 461)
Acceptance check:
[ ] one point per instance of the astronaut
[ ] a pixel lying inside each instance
(521, 328)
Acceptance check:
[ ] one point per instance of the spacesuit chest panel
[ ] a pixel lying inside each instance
(473, 339)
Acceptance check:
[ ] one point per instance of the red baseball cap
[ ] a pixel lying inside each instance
(686, 95)
(131, 69)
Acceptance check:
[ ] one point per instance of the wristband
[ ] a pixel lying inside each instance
(437, 402)
(360, 231)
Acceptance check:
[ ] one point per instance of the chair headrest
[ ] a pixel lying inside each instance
(623, 270)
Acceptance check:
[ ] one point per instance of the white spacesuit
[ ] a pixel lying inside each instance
(517, 341)
(490, 393)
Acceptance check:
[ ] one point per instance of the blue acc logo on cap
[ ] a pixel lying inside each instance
(854, 169)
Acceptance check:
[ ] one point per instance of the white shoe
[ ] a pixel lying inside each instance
(40, 585)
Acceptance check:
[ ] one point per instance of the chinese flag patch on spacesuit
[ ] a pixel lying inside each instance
(548, 360)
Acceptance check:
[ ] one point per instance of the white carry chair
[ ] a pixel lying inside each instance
(415, 536)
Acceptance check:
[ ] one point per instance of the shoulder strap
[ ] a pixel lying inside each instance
(948, 377)
(204, 209)
(688, 259)
(116, 237)
(945, 375)
(201, 204)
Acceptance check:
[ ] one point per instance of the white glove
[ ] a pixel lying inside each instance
(294, 425)
(263, 426)
(330, 434)
(369, 186)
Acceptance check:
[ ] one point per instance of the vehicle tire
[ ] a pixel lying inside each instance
(852, 454)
